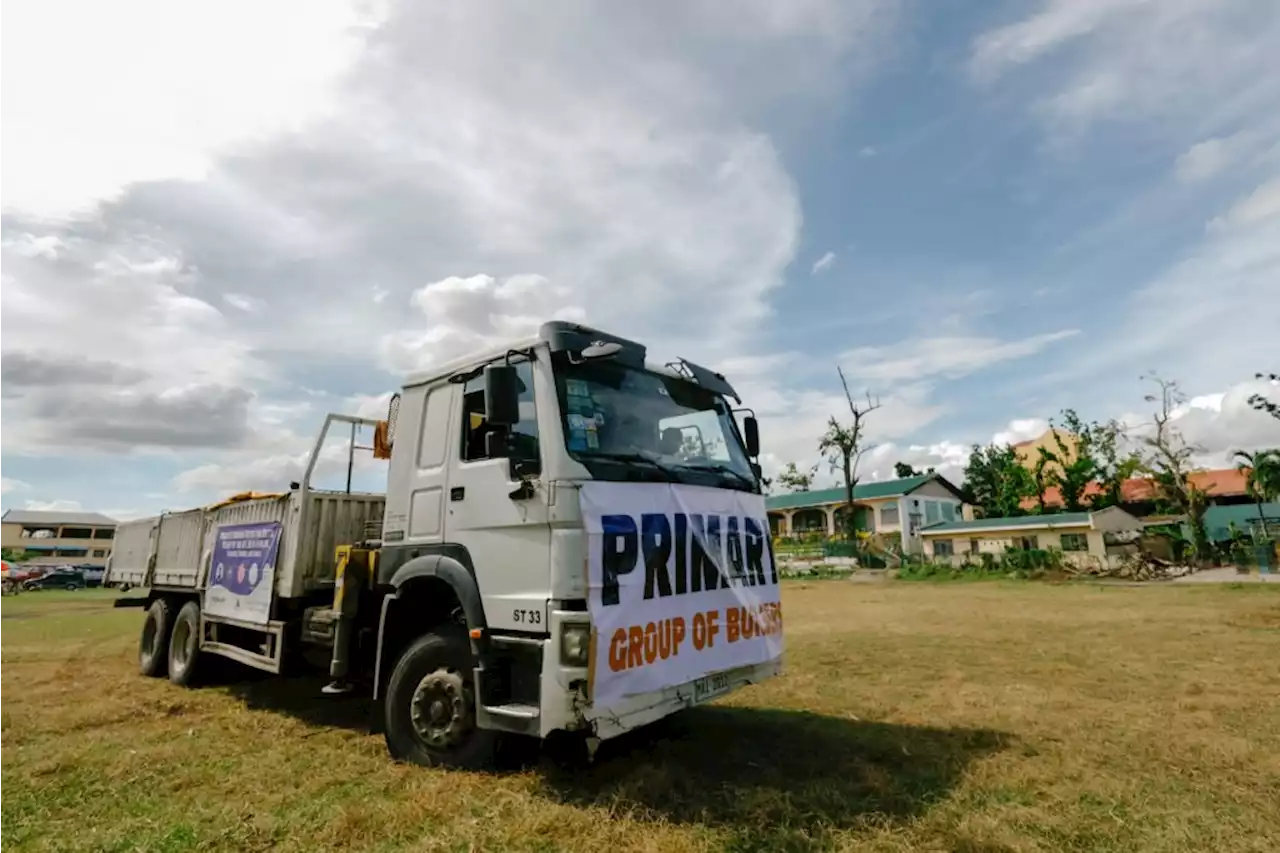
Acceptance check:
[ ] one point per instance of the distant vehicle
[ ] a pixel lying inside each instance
(58, 579)
(92, 574)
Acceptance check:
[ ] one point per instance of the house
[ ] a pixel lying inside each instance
(880, 507)
(56, 538)
(1081, 536)
(1224, 487)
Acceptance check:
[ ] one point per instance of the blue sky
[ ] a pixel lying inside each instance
(983, 212)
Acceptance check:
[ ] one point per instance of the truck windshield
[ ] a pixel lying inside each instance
(623, 423)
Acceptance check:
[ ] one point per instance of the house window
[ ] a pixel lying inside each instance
(76, 533)
(948, 512)
(99, 553)
(524, 435)
(931, 514)
(943, 548)
(104, 533)
(889, 516)
(1075, 542)
(973, 546)
(1027, 543)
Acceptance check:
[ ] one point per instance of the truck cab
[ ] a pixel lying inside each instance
(490, 457)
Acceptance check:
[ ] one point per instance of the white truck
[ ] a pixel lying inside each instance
(572, 540)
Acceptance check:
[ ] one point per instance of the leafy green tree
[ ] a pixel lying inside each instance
(793, 479)
(1262, 478)
(902, 470)
(997, 481)
(1114, 465)
(15, 555)
(1095, 458)
(1073, 468)
(1261, 403)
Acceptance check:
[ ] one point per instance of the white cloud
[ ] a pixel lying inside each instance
(156, 107)
(912, 360)
(868, 151)
(1212, 157)
(823, 263)
(1117, 59)
(8, 484)
(55, 506)
(1021, 429)
(624, 182)
(464, 315)
(242, 302)
(1259, 206)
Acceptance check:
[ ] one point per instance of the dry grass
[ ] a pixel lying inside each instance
(977, 717)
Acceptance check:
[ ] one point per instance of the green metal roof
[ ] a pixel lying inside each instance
(1056, 519)
(1218, 519)
(861, 492)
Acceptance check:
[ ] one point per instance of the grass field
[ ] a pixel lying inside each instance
(977, 718)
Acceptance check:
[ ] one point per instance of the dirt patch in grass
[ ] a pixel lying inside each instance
(987, 718)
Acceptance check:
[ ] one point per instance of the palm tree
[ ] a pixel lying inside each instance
(1262, 478)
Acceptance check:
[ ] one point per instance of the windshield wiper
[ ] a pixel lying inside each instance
(635, 458)
(722, 469)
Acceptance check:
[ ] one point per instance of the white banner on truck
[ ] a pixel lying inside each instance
(682, 585)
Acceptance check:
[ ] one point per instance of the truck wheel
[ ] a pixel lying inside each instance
(153, 645)
(430, 712)
(184, 645)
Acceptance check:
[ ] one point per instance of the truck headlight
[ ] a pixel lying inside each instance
(575, 645)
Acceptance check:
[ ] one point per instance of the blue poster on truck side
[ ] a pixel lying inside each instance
(242, 571)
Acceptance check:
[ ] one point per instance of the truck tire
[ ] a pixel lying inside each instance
(430, 709)
(184, 645)
(153, 644)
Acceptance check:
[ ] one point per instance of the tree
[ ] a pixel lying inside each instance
(1114, 465)
(1262, 478)
(1168, 459)
(793, 479)
(1261, 403)
(902, 470)
(1042, 477)
(1073, 468)
(842, 445)
(1094, 458)
(15, 555)
(997, 481)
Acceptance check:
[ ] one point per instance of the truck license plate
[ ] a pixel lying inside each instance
(707, 688)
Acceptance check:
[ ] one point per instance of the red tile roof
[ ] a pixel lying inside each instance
(1220, 482)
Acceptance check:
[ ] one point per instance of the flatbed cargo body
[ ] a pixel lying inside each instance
(172, 550)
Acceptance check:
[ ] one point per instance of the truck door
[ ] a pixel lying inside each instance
(422, 479)
(506, 532)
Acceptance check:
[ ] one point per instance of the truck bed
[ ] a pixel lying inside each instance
(173, 549)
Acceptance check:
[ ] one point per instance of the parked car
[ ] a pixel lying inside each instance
(59, 578)
(92, 574)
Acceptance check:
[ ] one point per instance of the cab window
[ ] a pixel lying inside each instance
(475, 426)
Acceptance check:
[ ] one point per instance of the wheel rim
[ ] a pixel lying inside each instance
(181, 638)
(441, 710)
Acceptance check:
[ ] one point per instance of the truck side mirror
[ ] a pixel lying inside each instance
(751, 433)
(501, 395)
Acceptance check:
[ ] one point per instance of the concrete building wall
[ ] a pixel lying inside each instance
(997, 542)
(58, 549)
